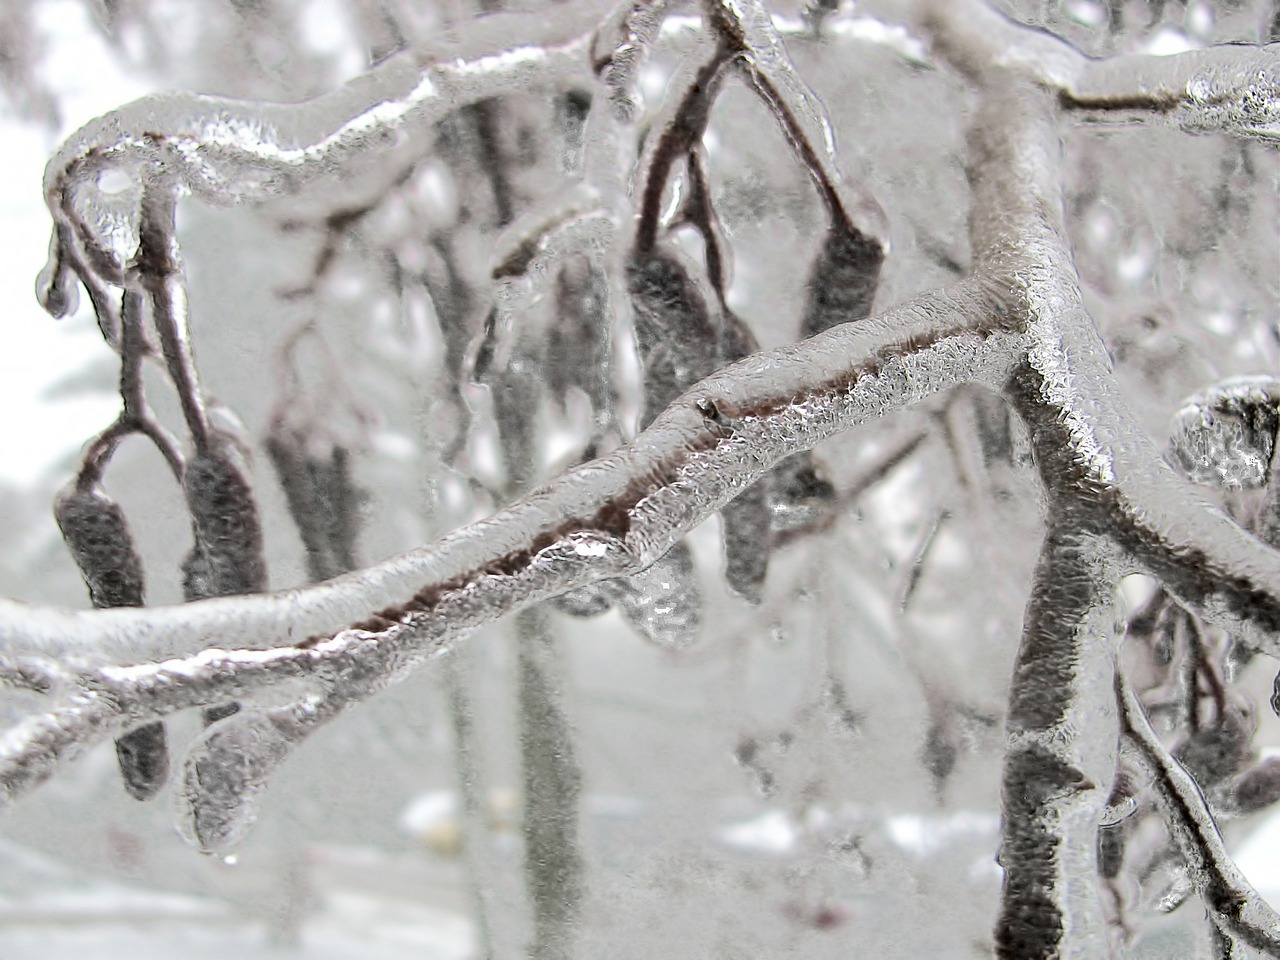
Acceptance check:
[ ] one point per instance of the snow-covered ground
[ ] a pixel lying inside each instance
(361, 904)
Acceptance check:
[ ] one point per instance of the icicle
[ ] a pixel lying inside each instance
(228, 769)
(56, 284)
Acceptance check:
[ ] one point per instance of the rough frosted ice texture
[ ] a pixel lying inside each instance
(1225, 436)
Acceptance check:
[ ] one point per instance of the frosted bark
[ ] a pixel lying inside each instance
(1060, 761)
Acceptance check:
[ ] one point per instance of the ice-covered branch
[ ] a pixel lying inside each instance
(1230, 89)
(1018, 325)
(1060, 761)
(1234, 905)
(360, 137)
(602, 520)
(1087, 442)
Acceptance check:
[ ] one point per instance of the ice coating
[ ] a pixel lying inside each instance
(228, 151)
(1061, 758)
(662, 602)
(1228, 896)
(689, 464)
(757, 33)
(228, 769)
(1225, 435)
(95, 530)
(1218, 89)
(675, 333)
(619, 64)
(803, 118)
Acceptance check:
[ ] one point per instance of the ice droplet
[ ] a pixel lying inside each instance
(663, 602)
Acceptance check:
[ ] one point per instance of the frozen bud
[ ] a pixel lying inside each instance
(228, 556)
(1224, 436)
(747, 530)
(667, 298)
(677, 342)
(843, 283)
(95, 531)
(227, 771)
(323, 500)
(143, 757)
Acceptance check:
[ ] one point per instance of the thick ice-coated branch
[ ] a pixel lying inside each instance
(1060, 761)
(1234, 905)
(1108, 487)
(1087, 442)
(605, 519)
(1018, 325)
(1231, 89)
(764, 408)
(229, 151)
